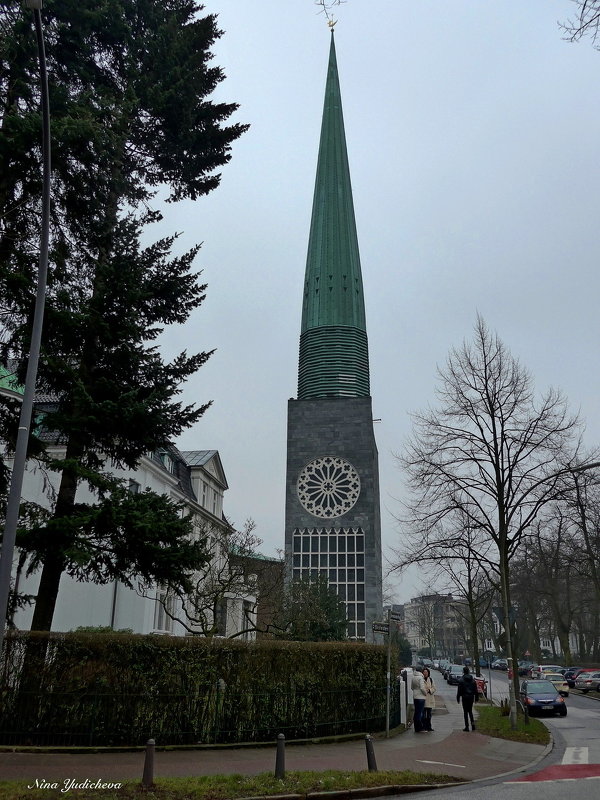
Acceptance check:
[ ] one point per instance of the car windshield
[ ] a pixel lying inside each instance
(589, 675)
(539, 686)
(554, 676)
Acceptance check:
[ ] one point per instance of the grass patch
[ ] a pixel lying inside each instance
(229, 787)
(491, 722)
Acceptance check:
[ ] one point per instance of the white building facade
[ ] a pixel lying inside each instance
(196, 480)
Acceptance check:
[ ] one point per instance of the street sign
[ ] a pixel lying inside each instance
(381, 627)
(396, 617)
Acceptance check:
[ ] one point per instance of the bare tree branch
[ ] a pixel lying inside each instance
(586, 22)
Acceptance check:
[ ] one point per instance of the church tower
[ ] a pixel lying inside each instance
(332, 513)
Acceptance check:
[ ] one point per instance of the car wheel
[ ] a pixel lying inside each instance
(585, 691)
(563, 712)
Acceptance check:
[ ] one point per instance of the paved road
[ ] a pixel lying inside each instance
(572, 766)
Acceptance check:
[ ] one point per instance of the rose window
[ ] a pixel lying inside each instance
(328, 487)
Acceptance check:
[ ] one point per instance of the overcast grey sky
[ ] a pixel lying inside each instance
(473, 133)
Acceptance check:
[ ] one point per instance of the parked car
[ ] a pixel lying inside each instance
(557, 679)
(455, 673)
(482, 686)
(500, 663)
(588, 680)
(541, 696)
(447, 670)
(539, 670)
(524, 667)
(570, 675)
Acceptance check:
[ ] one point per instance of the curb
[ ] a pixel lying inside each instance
(366, 791)
(547, 749)
(579, 693)
(167, 748)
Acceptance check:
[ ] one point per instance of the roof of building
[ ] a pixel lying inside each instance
(333, 347)
(209, 461)
(198, 458)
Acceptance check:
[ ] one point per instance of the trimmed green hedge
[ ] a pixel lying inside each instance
(123, 689)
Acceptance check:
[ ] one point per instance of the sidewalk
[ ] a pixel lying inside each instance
(448, 750)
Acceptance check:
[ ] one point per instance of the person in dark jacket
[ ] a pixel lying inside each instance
(467, 692)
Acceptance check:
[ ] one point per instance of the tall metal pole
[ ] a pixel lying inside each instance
(388, 692)
(20, 457)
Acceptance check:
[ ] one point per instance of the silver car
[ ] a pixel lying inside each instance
(588, 680)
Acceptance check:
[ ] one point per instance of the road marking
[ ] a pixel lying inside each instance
(443, 763)
(562, 772)
(576, 755)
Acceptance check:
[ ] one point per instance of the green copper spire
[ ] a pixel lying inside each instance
(334, 359)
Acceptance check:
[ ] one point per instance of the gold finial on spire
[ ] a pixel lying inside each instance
(326, 6)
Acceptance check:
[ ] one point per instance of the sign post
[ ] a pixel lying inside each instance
(488, 658)
(381, 627)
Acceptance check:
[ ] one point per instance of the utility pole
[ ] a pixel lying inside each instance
(389, 669)
(20, 456)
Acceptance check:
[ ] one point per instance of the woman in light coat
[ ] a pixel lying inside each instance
(429, 699)
(419, 691)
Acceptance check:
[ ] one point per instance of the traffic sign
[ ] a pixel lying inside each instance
(381, 627)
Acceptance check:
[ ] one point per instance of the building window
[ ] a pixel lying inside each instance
(335, 553)
(221, 617)
(163, 610)
(247, 608)
(134, 486)
(166, 461)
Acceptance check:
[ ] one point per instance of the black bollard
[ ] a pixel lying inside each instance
(148, 774)
(371, 763)
(280, 758)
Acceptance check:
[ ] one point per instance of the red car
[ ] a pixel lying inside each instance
(481, 685)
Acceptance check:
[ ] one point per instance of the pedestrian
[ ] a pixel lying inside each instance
(419, 691)
(467, 691)
(429, 699)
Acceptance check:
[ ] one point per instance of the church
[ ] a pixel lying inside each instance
(332, 516)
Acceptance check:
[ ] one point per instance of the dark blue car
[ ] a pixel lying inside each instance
(541, 696)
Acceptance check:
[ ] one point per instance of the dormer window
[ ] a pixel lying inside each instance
(166, 461)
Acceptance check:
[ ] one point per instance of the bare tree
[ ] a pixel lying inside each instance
(491, 451)
(585, 22)
(460, 556)
(222, 582)
(582, 502)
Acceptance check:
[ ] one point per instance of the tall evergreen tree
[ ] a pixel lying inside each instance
(129, 88)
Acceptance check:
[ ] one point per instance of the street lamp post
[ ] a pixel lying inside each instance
(20, 456)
